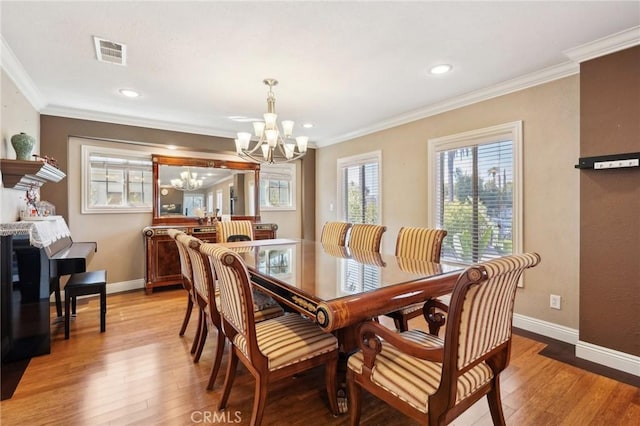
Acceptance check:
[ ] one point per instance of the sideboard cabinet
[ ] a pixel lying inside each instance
(162, 261)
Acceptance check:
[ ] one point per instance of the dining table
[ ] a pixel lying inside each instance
(339, 287)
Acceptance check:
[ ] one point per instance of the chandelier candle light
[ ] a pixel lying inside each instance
(188, 181)
(276, 146)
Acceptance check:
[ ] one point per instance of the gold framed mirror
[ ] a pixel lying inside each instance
(192, 190)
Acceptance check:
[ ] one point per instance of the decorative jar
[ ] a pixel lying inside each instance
(23, 144)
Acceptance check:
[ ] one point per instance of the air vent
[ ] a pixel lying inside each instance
(110, 51)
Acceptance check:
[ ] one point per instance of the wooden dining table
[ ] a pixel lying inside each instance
(340, 287)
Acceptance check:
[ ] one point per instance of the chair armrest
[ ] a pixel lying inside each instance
(369, 334)
(434, 319)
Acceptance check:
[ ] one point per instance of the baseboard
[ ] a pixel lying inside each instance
(545, 328)
(604, 356)
(125, 286)
(608, 357)
(118, 287)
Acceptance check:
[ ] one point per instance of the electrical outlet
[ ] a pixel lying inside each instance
(554, 301)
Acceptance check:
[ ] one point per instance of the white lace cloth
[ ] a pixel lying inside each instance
(41, 233)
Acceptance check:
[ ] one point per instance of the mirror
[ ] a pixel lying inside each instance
(194, 189)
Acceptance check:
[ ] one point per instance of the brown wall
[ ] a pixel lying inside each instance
(610, 203)
(55, 133)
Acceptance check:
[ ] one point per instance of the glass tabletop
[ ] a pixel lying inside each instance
(327, 273)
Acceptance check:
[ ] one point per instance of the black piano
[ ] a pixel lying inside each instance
(29, 276)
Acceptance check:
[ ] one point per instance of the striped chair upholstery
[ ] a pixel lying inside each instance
(420, 244)
(187, 283)
(206, 298)
(234, 227)
(442, 378)
(365, 236)
(335, 233)
(271, 349)
(367, 257)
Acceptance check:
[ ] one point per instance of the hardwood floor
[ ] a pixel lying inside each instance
(140, 372)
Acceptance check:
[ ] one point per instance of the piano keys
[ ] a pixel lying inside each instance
(26, 323)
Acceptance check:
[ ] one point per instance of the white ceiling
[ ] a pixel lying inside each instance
(349, 68)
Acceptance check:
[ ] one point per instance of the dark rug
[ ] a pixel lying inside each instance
(566, 353)
(11, 374)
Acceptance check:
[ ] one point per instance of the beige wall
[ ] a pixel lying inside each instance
(18, 115)
(550, 116)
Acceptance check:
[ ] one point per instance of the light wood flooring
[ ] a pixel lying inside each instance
(140, 372)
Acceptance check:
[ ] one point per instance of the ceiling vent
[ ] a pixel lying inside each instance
(110, 51)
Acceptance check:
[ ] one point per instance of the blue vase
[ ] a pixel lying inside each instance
(22, 144)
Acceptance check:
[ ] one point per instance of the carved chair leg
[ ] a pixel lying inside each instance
(187, 315)
(495, 406)
(330, 377)
(217, 359)
(196, 339)
(201, 341)
(355, 394)
(228, 381)
(259, 400)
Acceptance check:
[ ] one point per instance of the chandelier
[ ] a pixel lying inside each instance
(187, 182)
(275, 146)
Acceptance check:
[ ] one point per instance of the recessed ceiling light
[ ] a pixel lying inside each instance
(307, 125)
(129, 93)
(440, 69)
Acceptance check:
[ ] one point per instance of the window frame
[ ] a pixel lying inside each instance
(487, 135)
(358, 160)
(86, 152)
(269, 173)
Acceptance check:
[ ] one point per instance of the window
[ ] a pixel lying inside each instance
(476, 187)
(278, 187)
(115, 181)
(359, 188)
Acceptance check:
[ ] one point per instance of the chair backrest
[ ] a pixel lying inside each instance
(365, 236)
(335, 233)
(367, 257)
(234, 227)
(236, 298)
(185, 263)
(203, 281)
(479, 322)
(420, 243)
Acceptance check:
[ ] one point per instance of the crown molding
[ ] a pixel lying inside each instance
(604, 46)
(16, 72)
(533, 79)
(92, 115)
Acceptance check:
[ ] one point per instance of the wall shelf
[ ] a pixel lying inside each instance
(615, 161)
(21, 175)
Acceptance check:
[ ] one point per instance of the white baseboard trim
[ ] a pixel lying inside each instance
(547, 329)
(587, 351)
(608, 357)
(125, 286)
(118, 287)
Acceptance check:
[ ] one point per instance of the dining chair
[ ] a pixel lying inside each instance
(204, 285)
(420, 244)
(204, 281)
(272, 349)
(187, 284)
(335, 233)
(434, 380)
(365, 236)
(233, 228)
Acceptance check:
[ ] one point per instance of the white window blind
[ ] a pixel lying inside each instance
(476, 191)
(115, 181)
(359, 179)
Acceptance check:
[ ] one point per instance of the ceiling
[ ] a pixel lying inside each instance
(350, 68)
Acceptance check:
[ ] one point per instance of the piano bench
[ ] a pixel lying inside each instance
(83, 284)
